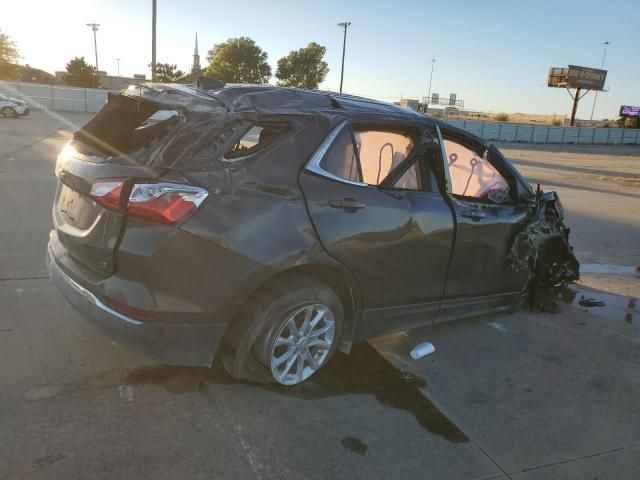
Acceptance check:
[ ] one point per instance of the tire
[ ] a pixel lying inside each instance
(9, 112)
(296, 324)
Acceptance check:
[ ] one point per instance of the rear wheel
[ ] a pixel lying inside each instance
(291, 330)
(302, 344)
(9, 112)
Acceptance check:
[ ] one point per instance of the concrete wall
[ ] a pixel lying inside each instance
(54, 97)
(510, 132)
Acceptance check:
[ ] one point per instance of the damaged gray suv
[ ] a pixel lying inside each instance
(272, 226)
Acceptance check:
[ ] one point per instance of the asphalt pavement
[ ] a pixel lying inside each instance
(522, 396)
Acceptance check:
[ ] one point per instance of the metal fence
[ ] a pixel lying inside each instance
(513, 132)
(54, 97)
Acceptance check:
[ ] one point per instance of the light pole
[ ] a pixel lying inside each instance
(344, 25)
(595, 97)
(153, 40)
(118, 60)
(433, 62)
(94, 27)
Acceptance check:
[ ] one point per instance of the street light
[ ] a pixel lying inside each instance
(94, 27)
(344, 25)
(433, 62)
(595, 97)
(154, 10)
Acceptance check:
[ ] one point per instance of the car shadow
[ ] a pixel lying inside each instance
(364, 371)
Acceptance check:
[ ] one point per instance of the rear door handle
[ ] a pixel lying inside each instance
(347, 204)
(473, 214)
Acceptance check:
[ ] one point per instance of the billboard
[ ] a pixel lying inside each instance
(584, 77)
(577, 77)
(557, 77)
(629, 111)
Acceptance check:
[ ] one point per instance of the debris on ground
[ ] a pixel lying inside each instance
(590, 302)
(422, 350)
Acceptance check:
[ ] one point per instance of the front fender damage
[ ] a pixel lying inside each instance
(542, 246)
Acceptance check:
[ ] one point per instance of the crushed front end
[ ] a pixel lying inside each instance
(543, 247)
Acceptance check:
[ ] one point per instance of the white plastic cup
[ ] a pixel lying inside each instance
(422, 350)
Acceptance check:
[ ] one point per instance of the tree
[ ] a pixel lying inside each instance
(80, 74)
(168, 73)
(8, 57)
(238, 60)
(303, 68)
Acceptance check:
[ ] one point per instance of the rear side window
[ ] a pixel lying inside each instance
(340, 159)
(381, 152)
(256, 138)
(369, 156)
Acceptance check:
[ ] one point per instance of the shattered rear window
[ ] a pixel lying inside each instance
(126, 125)
(257, 137)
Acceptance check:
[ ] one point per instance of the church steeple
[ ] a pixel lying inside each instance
(196, 70)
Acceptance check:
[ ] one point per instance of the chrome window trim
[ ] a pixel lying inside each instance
(313, 165)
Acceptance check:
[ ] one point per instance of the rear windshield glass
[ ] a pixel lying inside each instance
(126, 125)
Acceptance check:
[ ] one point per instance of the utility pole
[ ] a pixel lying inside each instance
(94, 27)
(344, 25)
(576, 98)
(118, 60)
(595, 97)
(575, 107)
(153, 40)
(433, 62)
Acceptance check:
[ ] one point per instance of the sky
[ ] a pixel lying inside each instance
(494, 54)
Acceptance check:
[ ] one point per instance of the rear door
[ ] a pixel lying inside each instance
(484, 196)
(395, 236)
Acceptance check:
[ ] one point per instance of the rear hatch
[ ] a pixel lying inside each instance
(118, 165)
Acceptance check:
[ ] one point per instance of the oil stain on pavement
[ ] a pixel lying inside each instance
(355, 445)
(363, 371)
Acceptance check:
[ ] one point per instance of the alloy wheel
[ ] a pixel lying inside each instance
(302, 344)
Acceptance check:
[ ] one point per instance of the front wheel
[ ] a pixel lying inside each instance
(291, 330)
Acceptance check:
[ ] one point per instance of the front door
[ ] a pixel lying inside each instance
(488, 215)
(396, 238)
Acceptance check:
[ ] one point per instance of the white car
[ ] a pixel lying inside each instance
(12, 107)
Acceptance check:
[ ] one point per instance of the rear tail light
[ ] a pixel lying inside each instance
(107, 193)
(164, 202)
(158, 202)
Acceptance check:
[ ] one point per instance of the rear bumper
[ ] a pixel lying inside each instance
(171, 344)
